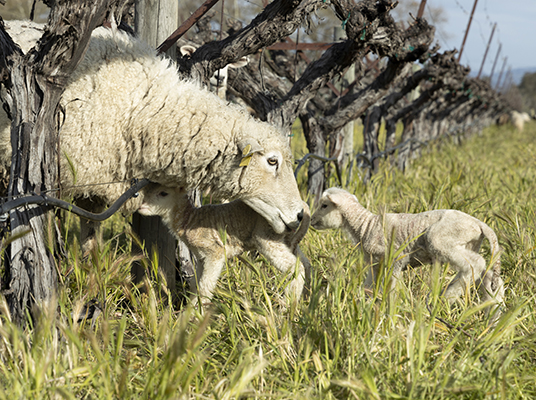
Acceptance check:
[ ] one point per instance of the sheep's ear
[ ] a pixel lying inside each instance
(241, 62)
(247, 148)
(331, 197)
(187, 50)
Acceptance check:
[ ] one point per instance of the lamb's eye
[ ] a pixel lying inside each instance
(163, 194)
(272, 161)
(324, 206)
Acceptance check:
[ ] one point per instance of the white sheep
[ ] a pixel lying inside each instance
(519, 119)
(216, 232)
(446, 236)
(128, 115)
(218, 81)
(24, 33)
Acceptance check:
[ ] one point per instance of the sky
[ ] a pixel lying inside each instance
(516, 31)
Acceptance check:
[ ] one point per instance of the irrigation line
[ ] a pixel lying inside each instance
(45, 200)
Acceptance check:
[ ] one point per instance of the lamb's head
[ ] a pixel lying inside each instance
(162, 201)
(218, 81)
(328, 214)
(267, 182)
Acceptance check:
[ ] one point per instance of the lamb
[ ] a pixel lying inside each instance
(446, 236)
(218, 81)
(519, 119)
(214, 232)
(129, 115)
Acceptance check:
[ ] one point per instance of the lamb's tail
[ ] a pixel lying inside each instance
(497, 284)
(302, 229)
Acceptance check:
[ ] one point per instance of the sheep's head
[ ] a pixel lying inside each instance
(328, 213)
(267, 183)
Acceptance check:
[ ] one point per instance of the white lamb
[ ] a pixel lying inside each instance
(129, 115)
(215, 232)
(446, 236)
(519, 119)
(218, 81)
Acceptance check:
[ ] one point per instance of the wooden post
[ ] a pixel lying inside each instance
(494, 64)
(486, 52)
(348, 140)
(467, 30)
(154, 21)
(497, 85)
(421, 9)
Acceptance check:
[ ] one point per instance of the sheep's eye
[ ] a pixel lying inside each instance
(272, 161)
(163, 194)
(324, 206)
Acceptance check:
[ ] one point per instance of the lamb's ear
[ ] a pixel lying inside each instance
(331, 197)
(247, 148)
(241, 62)
(187, 50)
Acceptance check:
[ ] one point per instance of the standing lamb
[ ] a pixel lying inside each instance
(214, 232)
(446, 236)
(129, 115)
(519, 119)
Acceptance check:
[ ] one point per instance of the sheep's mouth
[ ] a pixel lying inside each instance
(291, 227)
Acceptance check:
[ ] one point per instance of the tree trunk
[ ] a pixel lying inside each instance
(34, 83)
(316, 145)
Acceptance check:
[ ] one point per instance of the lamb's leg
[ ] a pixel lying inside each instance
(280, 255)
(470, 267)
(491, 287)
(373, 272)
(398, 267)
(208, 271)
(90, 234)
(307, 269)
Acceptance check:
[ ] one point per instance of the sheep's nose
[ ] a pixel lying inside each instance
(300, 216)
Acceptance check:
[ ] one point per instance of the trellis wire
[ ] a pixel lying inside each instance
(369, 161)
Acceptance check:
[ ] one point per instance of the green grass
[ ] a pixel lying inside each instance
(338, 343)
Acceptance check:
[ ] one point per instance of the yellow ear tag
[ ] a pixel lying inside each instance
(245, 161)
(246, 150)
(246, 156)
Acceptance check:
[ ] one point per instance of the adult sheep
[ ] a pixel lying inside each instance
(129, 115)
(448, 236)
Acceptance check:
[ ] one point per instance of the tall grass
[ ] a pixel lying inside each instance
(339, 343)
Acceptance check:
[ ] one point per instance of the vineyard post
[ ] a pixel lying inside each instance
(495, 63)
(486, 52)
(154, 23)
(467, 30)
